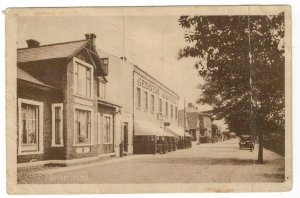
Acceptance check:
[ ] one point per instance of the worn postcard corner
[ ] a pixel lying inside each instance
(148, 99)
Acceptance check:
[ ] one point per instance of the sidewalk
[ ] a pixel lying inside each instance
(220, 162)
(40, 170)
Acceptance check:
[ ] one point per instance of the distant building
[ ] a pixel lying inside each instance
(205, 129)
(198, 125)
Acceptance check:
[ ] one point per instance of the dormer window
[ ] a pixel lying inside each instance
(104, 63)
(101, 88)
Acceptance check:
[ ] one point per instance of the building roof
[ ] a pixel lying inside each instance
(22, 75)
(53, 51)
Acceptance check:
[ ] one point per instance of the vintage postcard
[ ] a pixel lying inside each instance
(148, 99)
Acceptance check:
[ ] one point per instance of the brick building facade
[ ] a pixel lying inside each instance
(62, 114)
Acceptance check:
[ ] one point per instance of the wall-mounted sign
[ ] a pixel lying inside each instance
(155, 89)
(166, 123)
(146, 85)
(83, 150)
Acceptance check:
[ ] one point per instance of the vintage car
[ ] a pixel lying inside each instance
(245, 142)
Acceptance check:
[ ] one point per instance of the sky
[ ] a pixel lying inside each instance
(151, 42)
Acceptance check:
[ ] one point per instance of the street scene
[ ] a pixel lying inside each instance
(150, 99)
(221, 162)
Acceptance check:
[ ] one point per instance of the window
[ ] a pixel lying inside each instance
(171, 111)
(167, 109)
(102, 90)
(30, 126)
(176, 113)
(138, 94)
(82, 126)
(160, 105)
(107, 123)
(152, 103)
(57, 125)
(146, 100)
(82, 78)
(99, 127)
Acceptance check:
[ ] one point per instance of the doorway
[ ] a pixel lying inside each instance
(125, 131)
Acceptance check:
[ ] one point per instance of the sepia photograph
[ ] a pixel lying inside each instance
(148, 99)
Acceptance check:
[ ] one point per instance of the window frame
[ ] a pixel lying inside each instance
(146, 101)
(167, 108)
(53, 106)
(111, 128)
(160, 105)
(75, 87)
(152, 103)
(101, 89)
(83, 108)
(138, 97)
(99, 126)
(40, 124)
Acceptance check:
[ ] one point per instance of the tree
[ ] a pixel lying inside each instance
(241, 59)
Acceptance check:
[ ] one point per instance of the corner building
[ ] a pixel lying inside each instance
(64, 115)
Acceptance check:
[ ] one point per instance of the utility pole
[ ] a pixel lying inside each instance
(122, 124)
(184, 118)
(252, 110)
(250, 82)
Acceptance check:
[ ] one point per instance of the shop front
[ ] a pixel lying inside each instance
(183, 139)
(151, 139)
(155, 108)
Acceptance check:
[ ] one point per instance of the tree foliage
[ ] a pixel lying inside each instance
(231, 52)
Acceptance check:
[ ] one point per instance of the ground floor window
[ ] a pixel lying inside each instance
(57, 125)
(99, 127)
(108, 129)
(30, 126)
(82, 126)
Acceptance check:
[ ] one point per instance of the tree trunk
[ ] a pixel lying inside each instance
(260, 159)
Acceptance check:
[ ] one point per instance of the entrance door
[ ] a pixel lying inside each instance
(125, 129)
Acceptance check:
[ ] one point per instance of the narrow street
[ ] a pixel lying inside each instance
(220, 162)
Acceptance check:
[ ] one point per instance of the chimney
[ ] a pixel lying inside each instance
(32, 43)
(91, 38)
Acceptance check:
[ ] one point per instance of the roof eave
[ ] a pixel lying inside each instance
(37, 85)
(43, 60)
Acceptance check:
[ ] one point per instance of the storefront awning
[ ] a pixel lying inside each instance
(187, 134)
(146, 128)
(168, 133)
(175, 130)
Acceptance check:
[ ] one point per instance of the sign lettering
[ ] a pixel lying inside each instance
(154, 89)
